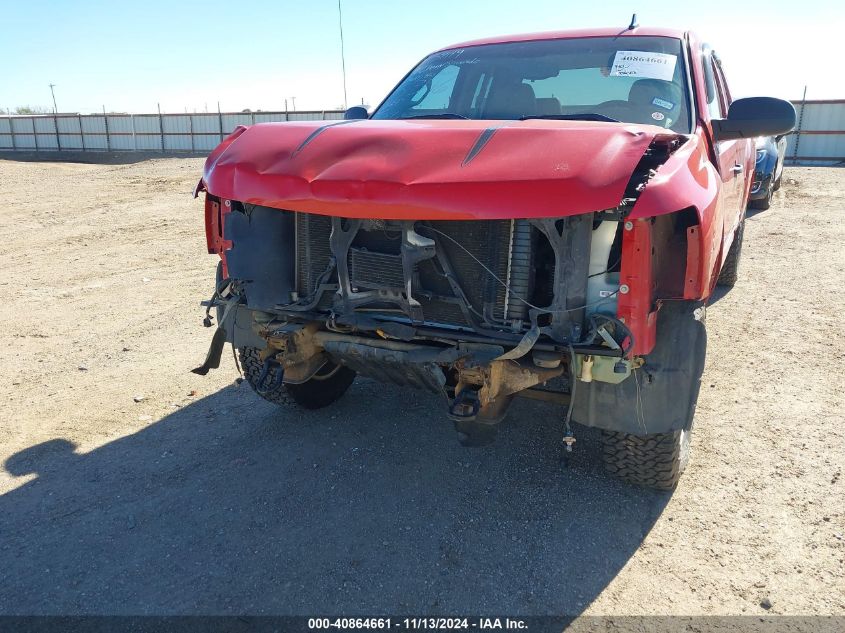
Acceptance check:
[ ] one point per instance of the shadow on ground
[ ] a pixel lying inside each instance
(232, 506)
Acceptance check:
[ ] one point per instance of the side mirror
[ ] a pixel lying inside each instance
(755, 116)
(356, 112)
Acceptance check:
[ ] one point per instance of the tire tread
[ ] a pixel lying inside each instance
(313, 394)
(653, 461)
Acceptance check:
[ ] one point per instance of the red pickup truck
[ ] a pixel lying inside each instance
(539, 216)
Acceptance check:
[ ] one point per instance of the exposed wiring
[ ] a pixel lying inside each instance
(226, 291)
(480, 263)
(639, 407)
(594, 328)
(456, 287)
(594, 303)
(609, 269)
(573, 384)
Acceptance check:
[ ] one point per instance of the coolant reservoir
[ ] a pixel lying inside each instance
(602, 285)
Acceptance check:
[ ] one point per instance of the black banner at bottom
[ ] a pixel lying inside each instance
(370, 624)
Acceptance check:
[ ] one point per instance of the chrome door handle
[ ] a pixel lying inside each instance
(737, 169)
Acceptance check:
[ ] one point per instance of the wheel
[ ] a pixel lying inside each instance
(730, 269)
(763, 203)
(326, 387)
(655, 461)
(646, 420)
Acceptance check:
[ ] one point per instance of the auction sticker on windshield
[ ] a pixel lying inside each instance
(644, 64)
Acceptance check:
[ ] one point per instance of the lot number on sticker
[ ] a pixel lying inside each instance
(662, 103)
(644, 64)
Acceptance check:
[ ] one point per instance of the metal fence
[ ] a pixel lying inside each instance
(135, 132)
(819, 136)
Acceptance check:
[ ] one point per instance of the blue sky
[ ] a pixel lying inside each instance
(130, 56)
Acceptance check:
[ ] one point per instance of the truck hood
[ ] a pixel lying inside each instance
(430, 169)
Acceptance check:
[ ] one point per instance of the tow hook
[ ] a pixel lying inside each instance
(263, 386)
(465, 406)
(464, 413)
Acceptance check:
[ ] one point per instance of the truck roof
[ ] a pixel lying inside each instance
(572, 34)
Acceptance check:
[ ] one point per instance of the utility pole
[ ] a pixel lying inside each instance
(342, 53)
(55, 108)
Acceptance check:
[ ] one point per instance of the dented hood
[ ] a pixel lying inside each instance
(430, 169)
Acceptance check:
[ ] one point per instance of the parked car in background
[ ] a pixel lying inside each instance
(768, 170)
(519, 212)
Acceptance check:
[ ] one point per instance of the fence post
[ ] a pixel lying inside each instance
(191, 131)
(161, 127)
(106, 124)
(56, 127)
(12, 132)
(134, 137)
(220, 121)
(81, 133)
(798, 127)
(34, 133)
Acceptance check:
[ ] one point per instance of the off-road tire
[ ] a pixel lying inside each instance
(730, 269)
(325, 388)
(655, 461)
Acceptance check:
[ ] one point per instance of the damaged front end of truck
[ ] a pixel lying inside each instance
(479, 263)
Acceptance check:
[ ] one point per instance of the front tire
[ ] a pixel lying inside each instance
(646, 420)
(655, 461)
(326, 387)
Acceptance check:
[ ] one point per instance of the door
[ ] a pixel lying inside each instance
(733, 156)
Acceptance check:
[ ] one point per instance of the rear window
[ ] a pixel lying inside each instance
(631, 79)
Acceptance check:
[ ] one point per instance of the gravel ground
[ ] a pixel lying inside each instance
(130, 486)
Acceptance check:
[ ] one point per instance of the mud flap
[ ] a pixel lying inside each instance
(215, 352)
(661, 395)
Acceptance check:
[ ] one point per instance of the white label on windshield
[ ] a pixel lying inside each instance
(644, 64)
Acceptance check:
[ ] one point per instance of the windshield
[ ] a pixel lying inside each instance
(631, 79)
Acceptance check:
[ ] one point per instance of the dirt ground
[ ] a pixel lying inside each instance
(201, 498)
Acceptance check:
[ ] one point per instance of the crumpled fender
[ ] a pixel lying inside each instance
(430, 169)
(689, 179)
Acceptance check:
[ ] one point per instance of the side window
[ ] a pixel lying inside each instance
(436, 94)
(714, 103)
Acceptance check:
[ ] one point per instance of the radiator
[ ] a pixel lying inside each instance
(374, 260)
